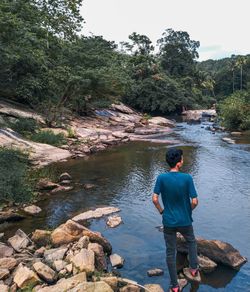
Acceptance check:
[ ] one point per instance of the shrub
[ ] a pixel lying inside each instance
(25, 126)
(14, 183)
(49, 137)
(71, 133)
(235, 111)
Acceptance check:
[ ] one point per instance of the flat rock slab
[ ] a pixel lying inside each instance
(100, 286)
(4, 288)
(216, 250)
(114, 221)
(94, 214)
(32, 209)
(228, 140)
(66, 284)
(155, 272)
(4, 273)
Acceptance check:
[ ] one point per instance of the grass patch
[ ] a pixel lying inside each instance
(14, 176)
(25, 126)
(48, 137)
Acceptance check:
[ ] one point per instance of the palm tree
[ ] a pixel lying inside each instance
(241, 60)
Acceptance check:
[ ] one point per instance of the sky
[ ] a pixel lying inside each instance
(221, 26)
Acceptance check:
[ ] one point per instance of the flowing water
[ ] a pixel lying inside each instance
(124, 177)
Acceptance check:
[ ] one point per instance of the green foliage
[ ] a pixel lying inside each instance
(25, 126)
(14, 183)
(49, 137)
(235, 111)
(71, 133)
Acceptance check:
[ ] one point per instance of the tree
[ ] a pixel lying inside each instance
(178, 52)
(240, 61)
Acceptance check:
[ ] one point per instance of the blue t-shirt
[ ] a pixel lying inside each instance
(176, 189)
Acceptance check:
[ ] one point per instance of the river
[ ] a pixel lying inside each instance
(124, 176)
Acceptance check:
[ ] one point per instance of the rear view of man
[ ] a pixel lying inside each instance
(179, 198)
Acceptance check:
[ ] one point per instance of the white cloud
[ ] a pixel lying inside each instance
(221, 24)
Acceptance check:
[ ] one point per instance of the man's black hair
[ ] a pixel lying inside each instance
(173, 156)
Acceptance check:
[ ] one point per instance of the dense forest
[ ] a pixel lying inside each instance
(47, 64)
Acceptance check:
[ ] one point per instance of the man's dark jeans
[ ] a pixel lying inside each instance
(170, 239)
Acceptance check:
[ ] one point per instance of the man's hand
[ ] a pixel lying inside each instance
(194, 203)
(155, 199)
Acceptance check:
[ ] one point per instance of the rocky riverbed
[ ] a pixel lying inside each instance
(74, 258)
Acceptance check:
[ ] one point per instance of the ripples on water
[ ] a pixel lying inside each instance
(124, 176)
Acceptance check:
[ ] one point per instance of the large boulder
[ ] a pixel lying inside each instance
(72, 231)
(84, 261)
(25, 277)
(19, 241)
(130, 288)
(45, 272)
(94, 214)
(65, 284)
(4, 273)
(4, 288)
(218, 251)
(41, 237)
(99, 286)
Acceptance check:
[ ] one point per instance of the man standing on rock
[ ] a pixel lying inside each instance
(179, 198)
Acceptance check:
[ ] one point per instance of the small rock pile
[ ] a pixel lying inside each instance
(69, 258)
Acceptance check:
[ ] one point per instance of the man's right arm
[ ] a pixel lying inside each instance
(194, 203)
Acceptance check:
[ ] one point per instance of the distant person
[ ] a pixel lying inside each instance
(179, 198)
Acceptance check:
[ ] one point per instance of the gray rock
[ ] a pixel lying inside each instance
(59, 265)
(19, 241)
(130, 288)
(155, 272)
(5, 251)
(45, 272)
(116, 260)
(54, 254)
(45, 185)
(32, 210)
(84, 261)
(114, 221)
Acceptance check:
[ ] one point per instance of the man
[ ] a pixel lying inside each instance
(179, 198)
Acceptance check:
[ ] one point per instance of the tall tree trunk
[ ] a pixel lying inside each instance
(233, 81)
(241, 71)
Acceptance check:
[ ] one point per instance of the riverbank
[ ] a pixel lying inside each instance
(85, 135)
